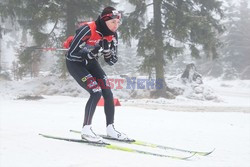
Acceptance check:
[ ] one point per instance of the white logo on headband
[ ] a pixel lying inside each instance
(114, 15)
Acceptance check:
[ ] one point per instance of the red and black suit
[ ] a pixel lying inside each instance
(82, 64)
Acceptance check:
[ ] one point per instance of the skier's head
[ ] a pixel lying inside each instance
(111, 17)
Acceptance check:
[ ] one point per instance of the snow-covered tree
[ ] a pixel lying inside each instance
(237, 42)
(172, 26)
(49, 22)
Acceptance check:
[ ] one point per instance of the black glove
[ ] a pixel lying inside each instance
(105, 47)
(93, 53)
(109, 55)
(111, 58)
(89, 51)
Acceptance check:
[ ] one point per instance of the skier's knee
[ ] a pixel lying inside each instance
(96, 94)
(107, 95)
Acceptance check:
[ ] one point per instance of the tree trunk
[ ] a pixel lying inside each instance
(71, 19)
(0, 54)
(159, 52)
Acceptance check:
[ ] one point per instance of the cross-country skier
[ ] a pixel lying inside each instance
(91, 40)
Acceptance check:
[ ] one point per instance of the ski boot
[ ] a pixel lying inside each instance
(112, 133)
(88, 134)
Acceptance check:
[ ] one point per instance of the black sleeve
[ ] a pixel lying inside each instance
(114, 44)
(81, 36)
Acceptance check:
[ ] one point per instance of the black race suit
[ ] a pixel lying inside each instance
(87, 72)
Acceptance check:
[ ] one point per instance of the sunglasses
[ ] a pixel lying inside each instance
(114, 15)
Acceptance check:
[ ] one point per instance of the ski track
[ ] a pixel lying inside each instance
(21, 121)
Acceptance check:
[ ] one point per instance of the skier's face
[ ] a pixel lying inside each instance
(113, 24)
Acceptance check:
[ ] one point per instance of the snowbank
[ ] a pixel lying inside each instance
(213, 92)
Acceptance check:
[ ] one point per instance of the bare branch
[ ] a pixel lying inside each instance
(54, 27)
(149, 4)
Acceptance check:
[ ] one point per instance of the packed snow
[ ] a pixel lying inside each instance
(182, 122)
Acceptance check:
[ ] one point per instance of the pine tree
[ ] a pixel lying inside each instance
(35, 16)
(237, 41)
(5, 13)
(175, 25)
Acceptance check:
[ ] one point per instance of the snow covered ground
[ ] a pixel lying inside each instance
(184, 123)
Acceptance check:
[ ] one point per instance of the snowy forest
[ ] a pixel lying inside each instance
(158, 39)
(181, 85)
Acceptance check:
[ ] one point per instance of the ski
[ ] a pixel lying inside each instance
(75, 140)
(142, 143)
(116, 147)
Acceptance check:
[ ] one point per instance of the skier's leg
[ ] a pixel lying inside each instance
(85, 80)
(91, 104)
(107, 94)
(109, 108)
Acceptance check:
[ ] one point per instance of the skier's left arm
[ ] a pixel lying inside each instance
(110, 50)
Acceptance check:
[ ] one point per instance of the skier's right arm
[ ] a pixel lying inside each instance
(78, 49)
